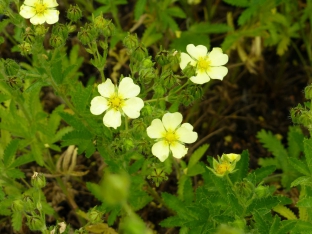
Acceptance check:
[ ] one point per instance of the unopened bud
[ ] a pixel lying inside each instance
(162, 58)
(11, 68)
(56, 41)
(140, 53)
(308, 91)
(40, 30)
(25, 48)
(95, 216)
(131, 41)
(74, 13)
(38, 180)
(35, 223)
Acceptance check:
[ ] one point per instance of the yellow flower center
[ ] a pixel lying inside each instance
(170, 137)
(116, 102)
(203, 64)
(40, 8)
(222, 168)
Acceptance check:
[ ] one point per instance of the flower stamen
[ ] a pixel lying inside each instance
(203, 64)
(40, 8)
(115, 102)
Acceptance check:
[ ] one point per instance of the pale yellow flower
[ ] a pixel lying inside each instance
(40, 11)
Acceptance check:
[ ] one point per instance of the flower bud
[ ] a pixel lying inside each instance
(296, 112)
(35, 223)
(308, 91)
(17, 206)
(244, 189)
(56, 41)
(138, 125)
(157, 174)
(306, 118)
(140, 53)
(159, 90)
(100, 23)
(147, 75)
(131, 41)
(28, 35)
(103, 45)
(74, 13)
(174, 57)
(25, 48)
(196, 91)
(168, 78)
(11, 68)
(147, 110)
(162, 58)
(85, 36)
(38, 180)
(28, 203)
(95, 216)
(147, 63)
(189, 71)
(262, 191)
(186, 97)
(109, 30)
(41, 30)
(60, 30)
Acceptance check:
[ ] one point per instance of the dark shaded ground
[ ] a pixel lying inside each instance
(236, 109)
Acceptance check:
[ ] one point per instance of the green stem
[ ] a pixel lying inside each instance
(157, 99)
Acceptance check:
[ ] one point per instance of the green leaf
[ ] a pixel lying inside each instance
(17, 219)
(176, 12)
(264, 204)
(286, 227)
(275, 225)
(307, 143)
(197, 155)
(303, 180)
(299, 166)
(150, 35)
(262, 223)
(196, 170)
(96, 190)
(15, 173)
(242, 167)
(37, 152)
(81, 96)
(206, 27)
(10, 152)
(295, 141)
(259, 174)
(302, 227)
(185, 189)
(139, 9)
(238, 3)
(305, 202)
(173, 221)
(56, 69)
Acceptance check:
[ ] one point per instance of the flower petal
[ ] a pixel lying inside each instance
(106, 89)
(161, 150)
(27, 12)
(186, 134)
(52, 16)
(127, 89)
(196, 51)
(50, 3)
(217, 72)
(172, 120)
(37, 19)
(112, 118)
(178, 150)
(133, 107)
(217, 58)
(98, 105)
(156, 130)
(31, 2)
(185, 59)
(200, 78)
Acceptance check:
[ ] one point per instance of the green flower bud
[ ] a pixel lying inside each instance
(140, 53)
(35, 223)
(157, 174)
(60, 30)
(189, 71)
(109, 30)
(17, 206)
(71, 28)
(159, 90)
(56, 41)
(196, 91)
(11, 68)
(244, 189)
(116, 188)
(306, 118)
(186, 97)
(162, 58)
(139, 125)
(103, 45)
(28, 35)
(41, 30)
(25, 48)
(262, 191)
(95, 216)
(86, 35)
(168, 78)
(296, 112)
(28, 203)
(308, 91)
(147, 63)
(147, 110)
(174, 57)
(38, 180)
(74, 13)
(131, 41)
(147, 75)
(100, 23)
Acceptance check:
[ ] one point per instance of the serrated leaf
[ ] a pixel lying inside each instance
(173, 221)
(307, 143)
(247, 14)
(17, 218)
(10, 152)
(36, 151)
(286, 226)
(302, 227)
(305, 202)
(56, 68)
(275, 225)
(15, 174)
(263, 227)
(22, 160)
(238, 3)
(259, 174)
(185, 189)
(282, 46)
(195, 170)
(242, 167)
(295, 141)
(299, 166)
(139, 8)
(265, 204)
(80, 97)
(285, 212)
(150, 35)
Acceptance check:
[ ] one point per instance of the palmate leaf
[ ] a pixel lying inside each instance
(10, 152)
(139, 8)
(262, 222)
(17, 218)
(259, 174)
(299, 166)
(81, 97)
(295, 141)
(263, 204)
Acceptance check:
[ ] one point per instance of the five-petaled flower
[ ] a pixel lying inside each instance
(117, 101)
(208, 65)
(40, 11)
(170, 135)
